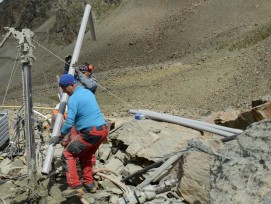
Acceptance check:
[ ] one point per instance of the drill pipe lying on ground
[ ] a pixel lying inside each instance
(198, 125)
(163, 168)
(147, 193)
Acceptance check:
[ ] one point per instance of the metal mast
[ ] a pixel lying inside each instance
(27, 58)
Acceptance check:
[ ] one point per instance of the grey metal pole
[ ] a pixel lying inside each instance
(29, 123)
(59, 88)
(232, 130)
(59, 119)
(160, 170)
(27, 58)
(196, 126)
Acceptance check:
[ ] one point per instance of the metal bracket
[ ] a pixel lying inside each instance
(25, 43)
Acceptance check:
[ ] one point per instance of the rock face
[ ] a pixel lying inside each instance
(195, 184)
(55, 21)
(256, 114)
(241, 170)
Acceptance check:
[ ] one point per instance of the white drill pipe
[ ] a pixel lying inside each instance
(64, 98)
(180, 121)
(232, 130)
(160, 170)
(40, 114)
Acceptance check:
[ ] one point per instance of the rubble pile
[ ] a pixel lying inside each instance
(139, 158)
(146, 161)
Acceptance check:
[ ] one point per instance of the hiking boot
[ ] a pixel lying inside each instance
(91, 188)
(78, 190)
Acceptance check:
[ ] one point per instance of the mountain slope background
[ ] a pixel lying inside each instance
(169, 55)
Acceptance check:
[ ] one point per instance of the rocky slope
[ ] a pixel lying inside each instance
(167, 55)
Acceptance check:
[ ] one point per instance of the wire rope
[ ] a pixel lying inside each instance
(43, 71)
(48, 50)
(45, 78)
(129, 105)
(14, 69)
(126, 103)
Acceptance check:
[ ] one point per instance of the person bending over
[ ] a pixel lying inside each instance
(85, 114)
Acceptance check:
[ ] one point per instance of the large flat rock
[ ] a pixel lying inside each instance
(152, 140)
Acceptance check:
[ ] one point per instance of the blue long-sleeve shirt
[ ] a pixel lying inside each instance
(83, 111)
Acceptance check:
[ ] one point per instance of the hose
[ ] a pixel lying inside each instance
(3, 200)
(227, 139)
(119, 184)
(144, 170)
(95, 171)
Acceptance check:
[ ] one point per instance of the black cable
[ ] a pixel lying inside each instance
(142, 171)
(138, 202)
(227, 139)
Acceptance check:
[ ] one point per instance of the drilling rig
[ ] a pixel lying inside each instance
(35, 187)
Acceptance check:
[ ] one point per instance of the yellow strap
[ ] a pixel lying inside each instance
(45, 108)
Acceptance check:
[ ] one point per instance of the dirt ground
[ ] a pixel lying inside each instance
(176, 56)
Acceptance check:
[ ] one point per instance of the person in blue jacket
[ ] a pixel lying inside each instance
(83, 113)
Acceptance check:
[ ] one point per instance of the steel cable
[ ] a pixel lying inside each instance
(11, 77)
(129, 105)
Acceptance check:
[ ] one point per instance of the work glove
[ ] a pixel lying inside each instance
(55, 140)
(68, 59)
(76, 69)
(66, 140)
(64, 143)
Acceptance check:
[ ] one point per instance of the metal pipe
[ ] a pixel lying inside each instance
(31, 155)
(80, 38)
(105, 155)
(166, 186)
(179, 121)
(64, 98)
(83, 200)
(142, 171)
(40, 114)
(227, 139)
(59, 88)
(161, 169)
(6, 36)
(232, 130)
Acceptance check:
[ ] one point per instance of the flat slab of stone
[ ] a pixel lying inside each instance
(152, 139)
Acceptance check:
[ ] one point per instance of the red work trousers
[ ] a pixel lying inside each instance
(82, 147)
